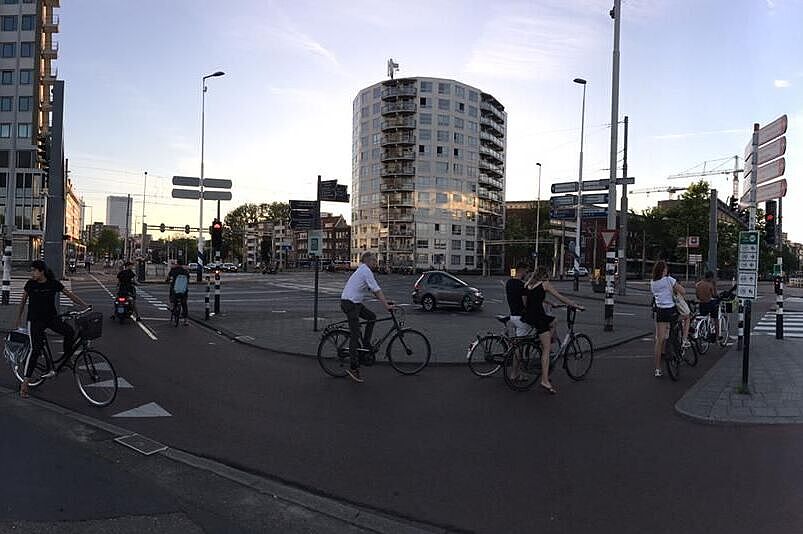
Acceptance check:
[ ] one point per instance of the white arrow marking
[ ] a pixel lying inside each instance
(146, 410)
(121, 383)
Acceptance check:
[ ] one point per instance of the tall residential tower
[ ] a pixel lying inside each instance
(428, 174)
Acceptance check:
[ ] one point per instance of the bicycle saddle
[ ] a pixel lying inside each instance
(503, 318)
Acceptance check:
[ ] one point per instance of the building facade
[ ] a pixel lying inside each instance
(428, 174)
(336, 243)
(27, 50)
(258, 243)
(119, 211)
(73, 213)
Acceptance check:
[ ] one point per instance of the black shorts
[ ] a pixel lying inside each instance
(665, 315)
(710, 308)
(541, 323)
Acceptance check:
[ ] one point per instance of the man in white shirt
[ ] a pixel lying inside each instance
(360, 284)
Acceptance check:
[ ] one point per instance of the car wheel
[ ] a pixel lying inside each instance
(428, 303)
(467, 304)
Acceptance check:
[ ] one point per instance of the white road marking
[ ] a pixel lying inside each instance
(278, 311)
(146, 410)
(147, 331)
(623, 313)
(121, 383)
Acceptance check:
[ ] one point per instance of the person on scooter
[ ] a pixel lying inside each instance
(126, 287)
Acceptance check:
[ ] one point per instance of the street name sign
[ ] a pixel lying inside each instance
(186, 181)
(563, 214)
(565, 187)
(595, 185)
(217, 195)
(767, 172)
(563, 200)
(217, 183)
(595, 198)
(767, 192)
(772, 130)
(595, 213)
(770, 151)
(192, 194)
(303, 204)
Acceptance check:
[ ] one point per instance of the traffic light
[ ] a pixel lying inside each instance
(770, 214)
(217, 234)
(162, 227)
(733, 204)
(187, 229)
(43, 157)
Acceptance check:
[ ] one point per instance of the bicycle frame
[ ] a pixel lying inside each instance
(374, 347)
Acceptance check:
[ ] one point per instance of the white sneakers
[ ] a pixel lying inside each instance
(658, 373)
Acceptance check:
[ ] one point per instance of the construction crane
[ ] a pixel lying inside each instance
(735, 172)
(670, 189)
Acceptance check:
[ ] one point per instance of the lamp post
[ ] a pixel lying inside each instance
(579, 190)
(538, 217)
(201, 199)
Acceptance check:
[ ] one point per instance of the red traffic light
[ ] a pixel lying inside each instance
(217, 225)
(770, 217)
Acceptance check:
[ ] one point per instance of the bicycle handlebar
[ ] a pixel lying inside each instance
(76, 313)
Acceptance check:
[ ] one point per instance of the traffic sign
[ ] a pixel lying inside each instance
(771, 191)
(746, 291)
(217, 195)
(217, 183)
(563, 200)
(595, 213)
(695, 258)
(565, 187)
(694, 241)
(749, 237)
(682, 243)
(769, 152)
(192, 194)
(303, 204)
(767, 172)
(595, 185)
(747, 278)
(563, 214)
(609, 237)
(595, 198)
(187, 181)
(772, 130)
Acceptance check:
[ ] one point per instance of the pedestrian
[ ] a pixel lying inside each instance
(88, 264)
(664, 288)
(538, 285)
(360, 283)
(516, 299)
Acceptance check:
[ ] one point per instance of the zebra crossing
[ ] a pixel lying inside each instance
(153, 301)
(792, 324)
(17, 285)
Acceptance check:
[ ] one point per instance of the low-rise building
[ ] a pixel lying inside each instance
(258, 243)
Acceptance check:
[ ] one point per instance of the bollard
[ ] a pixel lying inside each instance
(779, 308)
(610, 273)
(206, 299)
(217, 291)
(740, 330)
(7, 275)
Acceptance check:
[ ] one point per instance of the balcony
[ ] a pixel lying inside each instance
(51, 24)
(491, 168)
(395, 154)
(50, 50)
(398, 199)
(399, 107)
(492, 111)
(50, 75)
(488, 206)
(494, 221)
(45, 105)
(52, 3)
(398, 123)
(397, 184)
(494, 141)
(490, 182)
(396, 169)
(399, 91)
(405, 245)
(489, 195)
(401, 231)
(493, 155)
(492, 126)
(398, 139)
(396, 215)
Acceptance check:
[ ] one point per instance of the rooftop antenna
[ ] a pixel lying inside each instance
(392, 67)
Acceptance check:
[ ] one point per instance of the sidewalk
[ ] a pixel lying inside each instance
(775, 383)
(63, 472)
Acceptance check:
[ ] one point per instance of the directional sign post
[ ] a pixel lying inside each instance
(748, 264)
(595, 198)
(566, 187)
(595, 185)
(563, 200)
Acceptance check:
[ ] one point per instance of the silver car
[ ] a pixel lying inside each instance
(439, 288)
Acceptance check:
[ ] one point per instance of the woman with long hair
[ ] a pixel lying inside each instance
(664, 288)
(538, 286)
(42, 290)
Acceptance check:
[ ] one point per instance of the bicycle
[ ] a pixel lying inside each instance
(705, 327)
(676, 353)
(522, 363)
(94, 373)
(486, 353)
(408, 350)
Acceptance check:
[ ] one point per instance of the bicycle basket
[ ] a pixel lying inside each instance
(90, 325)
(17, 347)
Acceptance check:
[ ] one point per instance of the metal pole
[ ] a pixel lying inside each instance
(315, 311)
(538, 217)
(217, 291)
(713, 236)
(579, 197)
(752, 226)
(623, 230)
(206, 299)
(7, 273)
(643, 253)
(201, 185)
(616, 14)
(317, 226)
(740, 329)
(144, 189)
(687, 252)
(779, 303)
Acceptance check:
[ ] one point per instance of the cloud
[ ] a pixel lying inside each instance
(771, 4)
(697, 134)
(781, 84)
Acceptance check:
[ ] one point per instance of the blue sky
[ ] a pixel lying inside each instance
(695, 76)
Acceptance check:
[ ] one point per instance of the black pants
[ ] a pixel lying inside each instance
(354, 312)
(37, 339)
(182, 299)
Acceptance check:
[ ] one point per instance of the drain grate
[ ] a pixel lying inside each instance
(141, 444)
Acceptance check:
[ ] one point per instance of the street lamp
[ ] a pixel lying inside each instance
(538, 217)
(579, 190)
(201, 199)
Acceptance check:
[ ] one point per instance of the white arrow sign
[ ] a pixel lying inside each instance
(772, 130)
(769, 152)
(765, 172)
(767, 192)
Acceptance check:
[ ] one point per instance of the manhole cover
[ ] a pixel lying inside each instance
(141, 444)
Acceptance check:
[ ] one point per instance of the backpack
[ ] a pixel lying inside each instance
(181, 284)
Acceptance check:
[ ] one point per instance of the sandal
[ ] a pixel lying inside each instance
(549, 389)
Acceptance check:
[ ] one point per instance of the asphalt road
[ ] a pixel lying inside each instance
(605, 455)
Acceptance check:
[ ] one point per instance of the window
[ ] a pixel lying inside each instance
(377, 92)
(472, 126)
(457, 198)
(10, 2)
(456, 244)
(459, 91)
(426, 87)
(423, 166)
(443, 136)
(443, 104)
(375, 139)
(441, 167)
(422, 243)
(458, 140)
(10, 23)
(5, 103)
(455, 259)
(425, 135)
(469, 245)
(443, 120)
(469, 261)
(422, 258)
(26, 49)
(457, 169)
(26, 76)
(7, 77)
(472, 111)
(437, 259)
(377, 123)
(424, 180)
(457, 229)
(472, 141)
(460, 107)
(424, 102)
(470, 216)
(456, 153)
(24, 159)
(458, 123)
(439, 151)
(5, 129)
(441, 198)
(441, 182)
(437, 227)
(4, 158)
(8, 49)
(426, 118)
(364, 112)
(444, 88)
(375, 108)
(28, 23)
(423, 196)
(440, 244)
(472, 96)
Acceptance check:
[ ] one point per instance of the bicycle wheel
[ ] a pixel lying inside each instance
(333, 353)
(701, 337)
(95, 377)
(522, 365)
(408, 351)
(174, 311)
(724, 328)
(36, 377)
(486, 353)
(578, 357)
(690, 355)
(672, 357)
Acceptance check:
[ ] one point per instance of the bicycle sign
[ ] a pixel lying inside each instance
(748, 265)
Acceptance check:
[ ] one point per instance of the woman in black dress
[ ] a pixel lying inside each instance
(537, 287)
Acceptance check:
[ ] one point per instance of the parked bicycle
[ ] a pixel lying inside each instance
(703, 327)
(408, 350)
(93, 372)
(522, 362)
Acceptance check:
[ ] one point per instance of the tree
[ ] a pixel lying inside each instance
(107, 242)
(278, 212)
(521, 225)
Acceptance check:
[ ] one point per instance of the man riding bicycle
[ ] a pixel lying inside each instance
(179, 280)
(126, 287)
(351, 302)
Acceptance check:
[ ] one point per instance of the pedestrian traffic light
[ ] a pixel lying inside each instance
(217, 234)
(770, 214)
(43, 157)
(186, 228)
(162, 227)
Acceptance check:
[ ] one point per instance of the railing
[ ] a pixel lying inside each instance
(398, 169)
(398, 139)
(398, 107)
(51, 22)
(492, 167)
(396, 215)
(388, 155)
(397, 184)
(485, 136)
(51, 50)
(399, 200)
(485, 121)
(490, 181)
(400, 90)
(398, 232)
(487, 106)
(391, 124)
(487, 151)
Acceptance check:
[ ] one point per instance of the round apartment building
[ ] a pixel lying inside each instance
(428, 175)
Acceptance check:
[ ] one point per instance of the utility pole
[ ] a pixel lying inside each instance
(713, 236)
(538, 217)
(616, 15)
(55, 209)
(623, 230)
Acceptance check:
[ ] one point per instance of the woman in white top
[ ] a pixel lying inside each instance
(664, 288)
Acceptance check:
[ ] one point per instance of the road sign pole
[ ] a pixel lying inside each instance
(712, 234)
(579, 197)
(749, 304)
(779, 302)
(206, 299)
(217, 291)
(623, 230)
(740, 329)
(317, 226)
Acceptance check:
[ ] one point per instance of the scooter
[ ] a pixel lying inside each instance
(122, 308)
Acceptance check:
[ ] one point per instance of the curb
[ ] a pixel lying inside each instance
(370, 519)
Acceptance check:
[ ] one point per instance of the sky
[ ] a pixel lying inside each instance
(695, 76)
